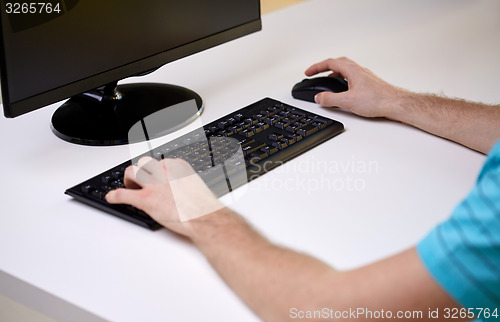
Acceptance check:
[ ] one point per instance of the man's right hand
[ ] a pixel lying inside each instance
(368, 95)
(474, 125)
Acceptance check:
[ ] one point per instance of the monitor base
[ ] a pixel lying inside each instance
(104, 117)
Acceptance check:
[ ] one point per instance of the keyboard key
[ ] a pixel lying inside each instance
(250, 121)
(247, 132)
(288, 140)
(293, 128)
(98, 194)
(222, 125)
(307, 130)
(252, 147)
(297, 112)
(275, 136)
(270, 150)
(235, 128)
(107, 179)
(262, 125)
(88, 188)
(261, 155)
(279, 144)
(320, 119)
(272, 120)
(116, 174)
(281, 125)
(238, 117)
(255, 129)
(259, 117)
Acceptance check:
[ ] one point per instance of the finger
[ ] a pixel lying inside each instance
(335, 74)
(125, 196)
(177, 168)
(150, 171)
(322, 66)
(341, 66)
(144, 161)
(129, 178)
(329, 99)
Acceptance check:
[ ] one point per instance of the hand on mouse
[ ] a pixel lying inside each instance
(368, 95)
(169, 191)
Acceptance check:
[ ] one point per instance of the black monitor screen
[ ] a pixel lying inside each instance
(46, 51)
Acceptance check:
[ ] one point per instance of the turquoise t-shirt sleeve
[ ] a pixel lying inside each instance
(463, 253)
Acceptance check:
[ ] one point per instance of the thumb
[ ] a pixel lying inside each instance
(329, 99)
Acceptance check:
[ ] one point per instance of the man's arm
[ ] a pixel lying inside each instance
(273, 280)
(277, 283)
(474, 125)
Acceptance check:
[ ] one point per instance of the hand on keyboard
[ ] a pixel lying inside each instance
(225, 154)
(169, 191)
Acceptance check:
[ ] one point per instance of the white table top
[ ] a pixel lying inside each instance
(372, 191)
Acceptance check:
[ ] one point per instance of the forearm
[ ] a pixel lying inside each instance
(474, 125)
(272, 280)
(268, 278)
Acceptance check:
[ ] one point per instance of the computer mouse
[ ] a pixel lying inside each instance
(309, 87)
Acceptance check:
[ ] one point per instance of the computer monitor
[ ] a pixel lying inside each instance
(80, 49)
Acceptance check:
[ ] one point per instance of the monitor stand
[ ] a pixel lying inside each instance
(104, 116)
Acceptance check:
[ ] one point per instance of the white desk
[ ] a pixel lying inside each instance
(73, 262)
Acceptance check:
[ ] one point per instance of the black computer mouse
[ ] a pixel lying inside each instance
(309, 87)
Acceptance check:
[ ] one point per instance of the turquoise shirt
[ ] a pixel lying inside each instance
(463, 253)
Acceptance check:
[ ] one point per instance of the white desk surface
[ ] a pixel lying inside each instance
(372, 191)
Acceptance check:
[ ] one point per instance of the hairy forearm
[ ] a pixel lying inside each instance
(268, 278)
(273, 280)
(474, 125)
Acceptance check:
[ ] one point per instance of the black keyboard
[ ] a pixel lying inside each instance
(226, 153)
